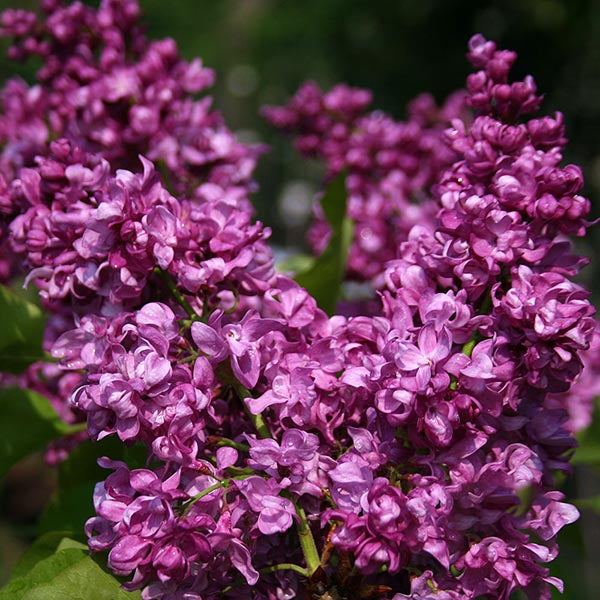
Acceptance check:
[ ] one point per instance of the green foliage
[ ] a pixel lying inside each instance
(324, 275)
(297, 263)
(568, 565)
(22, 332)
(588, 452)
(57, 567)
(71, 506)
(592, 503)
(42, 548)
(28, 423)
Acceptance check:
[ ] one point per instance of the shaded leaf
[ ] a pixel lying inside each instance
(28, 423)
(70, 507)
(568, 565)
(22, 332)
(72, 503)
(587, 455)
(588, 452)
(592, 503)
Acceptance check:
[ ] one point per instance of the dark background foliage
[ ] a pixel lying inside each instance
(263, 50)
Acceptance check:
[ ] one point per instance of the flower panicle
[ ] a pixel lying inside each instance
(289, 451)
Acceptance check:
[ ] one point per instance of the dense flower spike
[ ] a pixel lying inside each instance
(108, 89)
(77, 216)
(391, 165)
(88, 234)
(407, 454)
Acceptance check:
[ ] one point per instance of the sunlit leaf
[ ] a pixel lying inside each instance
(297, 263)
(42, 548)
(323, 279)
(67, 574)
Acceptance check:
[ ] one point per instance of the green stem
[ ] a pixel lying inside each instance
(280, 567)
(484, 309)
(47, 358)
(329, 497)
(468, 347)
(223, 483)
(259, 423)
(257, 420)
(163, 170)
(239, 472)
(177, 295)
(227, 377)
(307, 542)
(235, 304)
(231, 444)
(205, 492)
(486, 304)
(190, 359)
(285, 567)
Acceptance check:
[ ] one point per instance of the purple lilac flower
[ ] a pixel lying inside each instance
(423, 438)
(111, 91)
(391, 165)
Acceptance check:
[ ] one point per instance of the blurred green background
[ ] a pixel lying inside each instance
(263, 50)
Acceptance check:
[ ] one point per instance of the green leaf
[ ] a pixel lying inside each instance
(526, 495)
(588, 452)
(568, 564)
(323, 279)
(297, 263)
(21, 333)
(68, 574)
(41, 573)
(57, 566)
(28, 423)
(42, 548)
(592, 503)
(70, 507)
(587, 455)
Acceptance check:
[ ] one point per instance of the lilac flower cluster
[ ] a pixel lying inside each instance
(115, 95)
(77, 217)
(391, 165)
(98, 237)
(408, 454)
